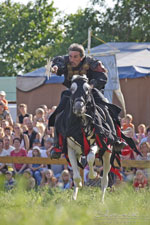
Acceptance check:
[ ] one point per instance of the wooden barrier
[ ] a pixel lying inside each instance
(63, 161)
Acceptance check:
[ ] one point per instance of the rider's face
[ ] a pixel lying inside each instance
(74, 58)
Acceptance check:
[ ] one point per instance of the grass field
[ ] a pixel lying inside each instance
(44, 207)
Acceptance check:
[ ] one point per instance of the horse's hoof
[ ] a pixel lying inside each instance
(78, 182)
(92, 175)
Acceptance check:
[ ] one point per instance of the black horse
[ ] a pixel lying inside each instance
(80, 125)
(83, 131)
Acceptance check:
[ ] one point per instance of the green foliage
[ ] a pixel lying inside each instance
(29, 34)
(45, 206)
(127, 21)
(76, 28)
(26, 32)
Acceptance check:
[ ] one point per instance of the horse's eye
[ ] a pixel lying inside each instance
(73, 88)
(86, 87)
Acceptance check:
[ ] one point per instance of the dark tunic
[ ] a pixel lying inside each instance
(93, 69)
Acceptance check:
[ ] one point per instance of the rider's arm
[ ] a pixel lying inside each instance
(59, 65)
(97, 73)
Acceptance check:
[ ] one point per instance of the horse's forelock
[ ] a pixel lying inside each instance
(82, 77)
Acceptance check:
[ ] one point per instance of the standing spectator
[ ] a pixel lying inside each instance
(10, 181)
(30, 181)
(3, 99)
(48, 179)
(22, 113)
(139, 181)
(36, 168)
(32, 134)
(17, 152)
(18, 132)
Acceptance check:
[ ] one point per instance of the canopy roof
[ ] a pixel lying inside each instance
(133, 59)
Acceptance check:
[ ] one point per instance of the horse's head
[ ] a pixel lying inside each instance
(80, 94)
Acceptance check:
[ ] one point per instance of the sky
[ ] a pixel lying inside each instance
(67, 6)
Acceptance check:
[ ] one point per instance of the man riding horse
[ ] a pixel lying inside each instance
(76, 63)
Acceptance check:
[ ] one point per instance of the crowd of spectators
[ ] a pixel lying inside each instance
(30, 136)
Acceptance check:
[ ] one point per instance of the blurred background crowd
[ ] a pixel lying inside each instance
(30, 136)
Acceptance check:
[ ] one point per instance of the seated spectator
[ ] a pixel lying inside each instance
(39, 115)
(57, 169)
(32, 134)
(3, 99)
(48, 179)
(3, 167)
(39, 128)
(46, 112)
(49, 133)
(128, 122)
(18, 152)
(48, 144)
(8, 131)
(30, 181)
(65, 182)
(4, 123)
(22, 113)
(127, 152)
(7, 145)
(36, 168)
(42, 152)
(2, 134)
(145, 151)
(18, 132)
(10, 182)
(139, 181)
(5, 115)
(141, 132)
(147, 138)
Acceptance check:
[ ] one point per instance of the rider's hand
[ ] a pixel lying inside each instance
(54, 69)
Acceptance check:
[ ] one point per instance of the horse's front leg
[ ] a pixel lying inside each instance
(106, 169)
(90, 159)
(76, 174)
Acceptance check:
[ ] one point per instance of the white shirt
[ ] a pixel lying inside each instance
(3, 153)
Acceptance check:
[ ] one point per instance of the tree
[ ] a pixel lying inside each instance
(27, 34)
(128, 20)
(76, 28)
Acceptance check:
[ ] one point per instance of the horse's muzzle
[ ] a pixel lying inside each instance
(79, 108)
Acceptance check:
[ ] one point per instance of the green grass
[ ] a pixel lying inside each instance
(44, 207)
